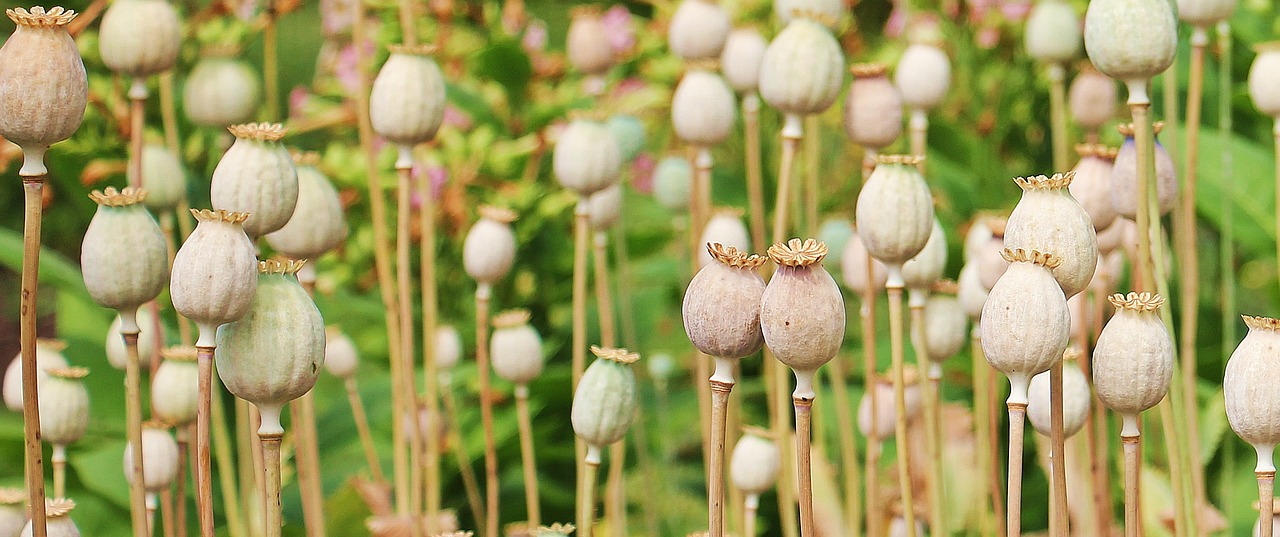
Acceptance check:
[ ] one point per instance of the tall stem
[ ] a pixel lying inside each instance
(755, 182)
(469, 482)
(1189, 265)
(133, 421)
(527, 459)
(137, 126)
(813, 159)
(1132, 465)
(804, 409)
(180, 482)
(1058, 116)
(166, 513)
(1144, 138)
(792, 131)
(581, 239)
(615, 488)
(720, 388)
(919, 126)
(867, 312)
(899, 396)
(271, 461)
(1227, 205)
(791, 134)
(271, 61)
(486, 411)
(204, 473)
(587, 495)
(1173, 447)
(749, 507)
(1017, 422)
(932, 413)
(981, 389)
(362, 428)
(404, 288)
(1058, 459)
(33, 188)
(59, 460)
(993, 439)
(937, 469)
(848, 447)
(1266, 502)
(307, 462)
(427, 275)
(226, 465)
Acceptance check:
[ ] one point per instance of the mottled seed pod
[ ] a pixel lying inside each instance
(926, 268)
(12, 514)
(1131, 40)
(48, 356)
(1076, 398)
(923, 76)
(802, 70)
(990, 257)
(215, 272)
(318, 223)
(149, 340)
(1249, 387)
(58, 522)
(140, 38)
(64, 405)
(629, 131)
(159, 457)
(273, 354)
(174, 387)
(124, 256)
(946, 327)
(256, 176)
(221, 90)
(1205, 13)
(1092, 184)
(164, 179)
(587, 157)
(1025, 322)
(702, 107)
(605, 207)
(406, 102)
(835, 232)
(45, 87)
(1264, 78)
(755, 462)
(895, 211)
(554, 530)
(1048, 219)
(970, 291)
(873, 107)
(588, 44)
(1091, 98)
(341, 357)
(1124, 176)
(1133, 358)
(721, 307)
(802, 313)
(448, 347)
(490, 247)
(741, 58)
(698, 30)
(671, 183)
(1053, 32)
(604, 404)
(886, 413)
(725, 227)
(516, 348)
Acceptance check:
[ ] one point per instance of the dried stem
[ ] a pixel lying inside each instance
(615, 489)
(307, 461)
(993, 440)
(776, 383)
(1266, 502)
(700, 207)
(1058, 116)
(755, 182)
(804, 409)
(581, 238)
(1145, 141)
(1132, 465)
(271, 460)
(259, 469)
(813, 159)
(166, 512)
(932, 413)
(226, 465)
(204, 473)
(867, 312)
(527, 458)
(899, 400)
(720, 390)
(59, 460)
(790, 145)
(362, 428)
(271, 60)
(848, 447)
(169, 113)
(137, 126)
(750, 505)
(1057, 460)
(180, 482)
(486, 411)
(469, 482)
(1173, 449)
(404, 288)
(587, 496)
(981, 391)
(1189, 266)
(1017, 422)
(133, 423)
(919, 126)
(427, 275)
(33, 188)
(937, 469)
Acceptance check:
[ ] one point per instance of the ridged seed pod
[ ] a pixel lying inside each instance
(1124, 176)
(629, 131)
(1205, 13)
(341, 357)
(140, 38)
(802, 313)
(256, 176)
(895, 210)
(1122, 233)
(588, 44)
(406, 102)
(48, 356)
(64, 405)
(1131, 40)
(174, 389)
(587, 157)
(1264, 78)
(755, 462)
(671, 182)
(990, 257)
(149, 340)
(926, 268)
(516, 348)
(725, 227)
(448, 347)
(873, 108)
(221, 90)
(1076, 398)
(702, 107)
(318, 223)
(13, 515)
(698, 30)
(124, 257)
(159, 457)
(1048, 219)
(970, 291)
(923, 76)
(802, 70)
(1092, 184)
(605, 207)
(721, 307)
(1250, 389)
(946, 327)
(1133, 358)
(58, 522)
(740, 60)
(1053, 32)
(1091, 98)
(1025, 322)
(490, 247)
(604, 404)
(886, 413)
(215, 272)
(164, 179)
(45, 87)
(976, 237)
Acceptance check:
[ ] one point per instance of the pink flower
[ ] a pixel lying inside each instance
(988, 37)
(456, 118)
(628, 86)
(1015, 10)
(299, 98)
(622, 34)
(535, 36)
(642, 173)
(335, 16)
(436, 177)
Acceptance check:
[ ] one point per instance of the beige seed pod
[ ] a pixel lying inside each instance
(221, 90)
(970, 291)
(946, 327)
(824, 12)
(1048, 219)
(926, 268)
(318, 223)
(1205, 13)
(149, 340)
(140, 38)
(48, 356)
(1025, 322)
(725, 227)
(702, 107)
(159, 457)
(1092, 184)
(448, 347)
(341, 357)
(58, 522)
(516, 348)
(895, 212)
(587, 157)
(886, 413)
(215, 272)
(45, 87)
(64, 405)
(256, 175)
(406, 102)
(853, 267)
(802, 313)
(990, 258)
(490, 247)
(587, 44)
(976, 237)
(174, 389)
(1249, 382)
(1121, 233)
(1124, 176)
(164, 179)
(1133, 358)
(604, 404)
(1092, 98)
(1076, 398)
(1053, 32)
(1264, 78)
(605, 207)
(923, 76)
(802, 70)
(1131, 40)
(721, 308)
(124, 257)
(873, 107)
(12, 514)
(754, 463)
(741, 58)
(698, 30)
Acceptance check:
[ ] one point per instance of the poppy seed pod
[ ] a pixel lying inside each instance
(215, 272)
(1092, 98)
(824, 12)
(1025, 322)
(273, 354)
(587, 157)
(159, 457)
(448, 347)
(48, 356)
(587, 44)
(406, 102)
(755, 462)
(923, 76)
(802, 70)
(175, 387)
(1120, 233)
(256, 176)
(341, 357)
(1253, 404)
(873, 107)
(629, 131)
(605, 207)
(45, 88)
(721, 307)
(976, 237)
(725, 227)
(1076, 398)
(741, 58)
(1131, 40)
(1124, 176)
(921, 271)
(221, 90)
(802, 313)
(1092, 184)
(671, 183)
(604, 404)
(58, 521)
(149, 341)
(702, 107)
(835, 233)
(886, 413)
(1053, 32)
(490, 246)
(1048, 219)
(163, 178)
(990, 257)
(970, 291)
(554, 530)
(1133, 358)
(1264, 78)
(124, 257)
(12, 514)
(318, 223)
(895, 211)
(516, 348)
(140, 38)
(945, 323)
(64, 405)
(698, 30)
(1205, 13)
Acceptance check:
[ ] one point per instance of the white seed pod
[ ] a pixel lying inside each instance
(923, 76)
(802, 70)
(1131, 40)
(1092, 98)
(45, 88)
(58, 522)
(490, 247)
(824, 12)
(976, 237)
(587, 157)
(725, 227)
(124, 257)
(448, 347)
(341, 357)
(1076, 398)
(215, 272)
(516, 348)
(1092, 184)
(159, 457)
(1076, 305)
(853, 267)
(1205, 13)
(702, 107)
(64, 405)
(406, 101)
(1025, 322)
(174, 389)
(273, 354)
(318, 223)
(48, 356)
(698, 30)
(13, 515)
(895, 210)
(970, 291)
(1048, 219)
(1121, 233)
(802, 313)
(588, 44)
(1264, 78)
(221, 90)
(671, 182)
(990, 257)
(946, 327)
(1249, 387)
(164, 179)
(604, 404)
(630, 132)
(605, 207)
(149, 340)
(1133, 358)
(1053, 32)
(886, 412)
(1124, 177)
(741, 58)
(873, 107)
(256, 176)
(926, 268)
(755, 462)
(721, 307)
(140, 38)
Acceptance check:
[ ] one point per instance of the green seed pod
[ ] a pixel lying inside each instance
(140, 38)
(490, 247)
(256, 175)
(1264, 78)
(702, 107)
(406, 103)
(873, 107)
(1048, 219)
(516, 348)
(215, 272)
(802, 70)
(58, 520)
(629, 131)
(895, 211)
(341, 357)
(671, 183)
(13, 516)
(587, 157)
(149, 341)
(1076, 398)
(174, 388)
(754, 463)
(64, 405)
(159, 457)
(45, 87)
(124, 256)
(48, 356)
(721, 308)
(1133, 358)
(1025, 322)
(1092, 98)
(741, 57)
(1205, 13)
(1249, 387)
(698, 30)
(221, 90)
(318, 223)
(802, 313)
(1092, 184)
(163, 178)
(1131, 40)
(604, 404)
(923, 76)
(1053, 32)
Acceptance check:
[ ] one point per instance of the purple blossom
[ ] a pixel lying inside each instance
(622, 34)
(346, 67)
(535, 36)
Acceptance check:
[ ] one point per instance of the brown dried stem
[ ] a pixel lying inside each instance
(900, 405)
(271, 461)
(1266, 502)
(33, 188)
(587, 498)
(133, 423)
(1057, 461)
(427, 275)
(1145, 144)
(1132, 465)
(406, 380)
(720, 391)
(486, 411)
(932, 416)
(1017, 424)
(581, 237)
(804, 414)
(1189, 268)
(755, 182)
(986, 525)
(204, 473)
(615, 487)
(527, 459)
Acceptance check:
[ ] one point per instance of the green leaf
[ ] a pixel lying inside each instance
(506, 63)
(54, 268)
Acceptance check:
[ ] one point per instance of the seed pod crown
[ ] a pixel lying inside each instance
(1035, 257)
(511, 318)
(1142, 302)
(868, 70)
(262, 132)
(797, 253)
(111, 197)
(38, 17)
(1044, 182)
(733, 257)
(615, 354)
